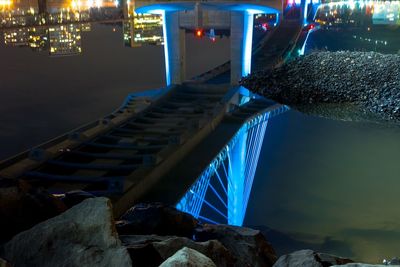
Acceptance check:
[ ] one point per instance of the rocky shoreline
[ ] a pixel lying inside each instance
(366, 84)
(85, 233)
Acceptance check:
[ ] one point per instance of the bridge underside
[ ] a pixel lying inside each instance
(240, 22)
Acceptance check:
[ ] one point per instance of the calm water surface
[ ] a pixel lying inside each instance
(42, 96)
(330, 185)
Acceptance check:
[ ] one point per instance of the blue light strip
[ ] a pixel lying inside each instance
(233, 169)
(166, 52)
(305, 14)
(219, 197)
(303, 48)
(247, 42)
(207, 220)
(255, 161)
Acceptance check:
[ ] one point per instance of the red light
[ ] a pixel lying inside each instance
(199, 33)
(312, 26)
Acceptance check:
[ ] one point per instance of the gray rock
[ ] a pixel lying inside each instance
(156, 218)
(213, 249)
(309, 258)
(82, 236)
(368, 80)
(248, 246)
(187, 257)
(151, 250)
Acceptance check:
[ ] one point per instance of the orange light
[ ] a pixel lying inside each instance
(199, 33)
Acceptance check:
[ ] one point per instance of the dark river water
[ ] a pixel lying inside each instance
(42, 97)
(321, 183)
(331, 185)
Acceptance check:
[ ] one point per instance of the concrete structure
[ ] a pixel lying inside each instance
(237, 15)
(170, 145)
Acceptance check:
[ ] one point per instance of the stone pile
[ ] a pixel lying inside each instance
(369, 80)
(147, 235)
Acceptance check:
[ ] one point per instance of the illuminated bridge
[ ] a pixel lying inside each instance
(193, 145)
(236, 15)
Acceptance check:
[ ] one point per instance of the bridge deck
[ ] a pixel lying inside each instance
(153, 154)
(173, 185)
(133, 153)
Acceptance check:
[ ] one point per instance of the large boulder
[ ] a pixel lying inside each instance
(248, 246)
(82, 236)
(151, 250)
(156, 218)
(23, 206)
(213, 249)
(187, 257)
(309, 258)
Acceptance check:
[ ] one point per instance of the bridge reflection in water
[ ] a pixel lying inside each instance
(221, 193)
(139, 149)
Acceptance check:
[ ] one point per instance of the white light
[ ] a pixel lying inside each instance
(247, 43)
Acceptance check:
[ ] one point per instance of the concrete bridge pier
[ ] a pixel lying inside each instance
(241, 44)
(174, 48)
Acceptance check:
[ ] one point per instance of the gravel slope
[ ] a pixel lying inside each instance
(370, 81)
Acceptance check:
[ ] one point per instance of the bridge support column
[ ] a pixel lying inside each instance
(241, 44)
(236, 184)
(174, 48)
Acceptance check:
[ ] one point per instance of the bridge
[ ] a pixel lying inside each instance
(234, 15)
(194, 144)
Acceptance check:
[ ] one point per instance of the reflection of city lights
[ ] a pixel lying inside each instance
(5, 3)
(383, 12)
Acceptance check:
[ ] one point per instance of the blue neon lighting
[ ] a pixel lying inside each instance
(303, 48)
(222, 191)
(166, 52)
(247, 42)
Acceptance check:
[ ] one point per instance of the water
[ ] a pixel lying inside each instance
(324, 184)
(42, 97)
(330, 185)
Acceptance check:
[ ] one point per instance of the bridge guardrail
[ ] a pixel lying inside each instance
(73, 134)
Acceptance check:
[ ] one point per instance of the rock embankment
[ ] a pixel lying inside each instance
(368, 80)
(147, 235)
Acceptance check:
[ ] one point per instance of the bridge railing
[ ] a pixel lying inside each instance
(221, 192)
(39, 152)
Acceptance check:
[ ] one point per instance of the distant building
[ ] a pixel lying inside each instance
(65, 40)
(143, 29)
(39, 39)
(17, 37)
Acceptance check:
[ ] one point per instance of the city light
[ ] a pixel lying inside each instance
(4, 3)
(199, 33)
